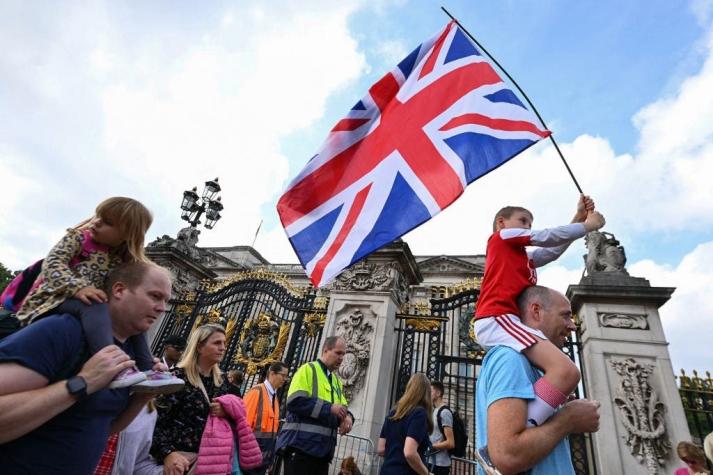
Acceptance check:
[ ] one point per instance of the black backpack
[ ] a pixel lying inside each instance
(459, 433)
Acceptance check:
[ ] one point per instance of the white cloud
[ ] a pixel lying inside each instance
(703, 9)
(391, 52)
(688, 309)
(688, 316)
(120, 111)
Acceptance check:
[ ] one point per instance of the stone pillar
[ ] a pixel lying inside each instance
(627, 368)
(364, 300)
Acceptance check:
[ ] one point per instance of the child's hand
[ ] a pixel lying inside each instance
(89, 294)
(594, 221)
(216, 409)
(585, 205)
(159, 366)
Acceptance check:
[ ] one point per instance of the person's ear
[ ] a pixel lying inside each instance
(119, 289)
(536, 311)
(500, 222)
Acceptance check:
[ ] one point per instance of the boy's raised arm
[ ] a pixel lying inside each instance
(585, 205)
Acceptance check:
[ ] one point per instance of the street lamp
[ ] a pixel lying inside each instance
(193, 206)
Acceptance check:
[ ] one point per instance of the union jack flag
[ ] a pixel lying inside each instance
(440, 120)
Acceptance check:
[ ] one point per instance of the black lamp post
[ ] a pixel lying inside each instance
(193, 206)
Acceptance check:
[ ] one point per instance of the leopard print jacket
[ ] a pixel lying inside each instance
(75, 262)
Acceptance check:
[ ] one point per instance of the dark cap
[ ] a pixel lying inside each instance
(176, 341)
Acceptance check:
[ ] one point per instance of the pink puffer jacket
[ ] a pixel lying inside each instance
(215, 455)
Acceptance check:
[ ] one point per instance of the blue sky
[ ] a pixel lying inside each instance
(148, 99)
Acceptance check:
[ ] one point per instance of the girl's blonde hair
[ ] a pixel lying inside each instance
(692, 452)
(189, 360)
(417, 394)
(132, 219)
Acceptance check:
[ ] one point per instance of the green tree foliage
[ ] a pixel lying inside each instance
(6, 276)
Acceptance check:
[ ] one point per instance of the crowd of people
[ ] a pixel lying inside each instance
(80, 392)
(56, 403)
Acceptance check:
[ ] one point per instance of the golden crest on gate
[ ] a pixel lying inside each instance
(262, 342)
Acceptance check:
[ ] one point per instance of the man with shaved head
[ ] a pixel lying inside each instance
(505, 386)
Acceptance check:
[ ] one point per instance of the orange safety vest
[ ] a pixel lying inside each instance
(263, 418)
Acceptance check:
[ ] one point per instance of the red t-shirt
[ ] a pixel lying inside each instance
(510, 268)
(508, 271)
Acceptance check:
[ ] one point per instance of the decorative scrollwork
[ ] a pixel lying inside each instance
(364, 276)
(229, 330)
(642, 414)
(420, 308)
(466, 333)
(320, 303)
(623, 320)
(467, 284)
(184, 310)
(262, 342)
(261, 273)
(215, 316)
(424, 324)
(355, 329)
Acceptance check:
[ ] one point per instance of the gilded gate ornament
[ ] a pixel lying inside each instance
(262, 342)
(642, 414)
(313, 323)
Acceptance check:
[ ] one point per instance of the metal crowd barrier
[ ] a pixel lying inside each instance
(461, 466)
(362, 449)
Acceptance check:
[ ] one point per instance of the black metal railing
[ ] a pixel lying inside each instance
(441, 344)
(264, 321)
(697, 398)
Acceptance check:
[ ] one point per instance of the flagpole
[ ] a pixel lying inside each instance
(576, 183)
(256, 233)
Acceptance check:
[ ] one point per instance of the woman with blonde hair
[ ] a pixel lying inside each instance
(404, 437)
(182, 415)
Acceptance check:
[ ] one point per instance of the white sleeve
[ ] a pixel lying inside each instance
(554, 242)
(553, 237)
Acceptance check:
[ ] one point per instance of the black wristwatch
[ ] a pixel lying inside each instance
(77, 387)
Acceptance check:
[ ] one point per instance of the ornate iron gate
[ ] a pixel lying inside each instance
(437, 340)
(266, 319)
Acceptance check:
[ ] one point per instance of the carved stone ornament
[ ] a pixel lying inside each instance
(183, 281)
(604, 254)
(379, 277)
(624, 320)
(363, 276)
(355, 329)
(262, 342)
(642, 414)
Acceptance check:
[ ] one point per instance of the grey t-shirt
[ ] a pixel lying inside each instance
(442, 458)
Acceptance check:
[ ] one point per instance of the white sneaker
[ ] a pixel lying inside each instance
(127, 377)
(481, 455)
(159, 382)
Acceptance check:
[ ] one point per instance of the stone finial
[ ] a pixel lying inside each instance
(604, 254)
